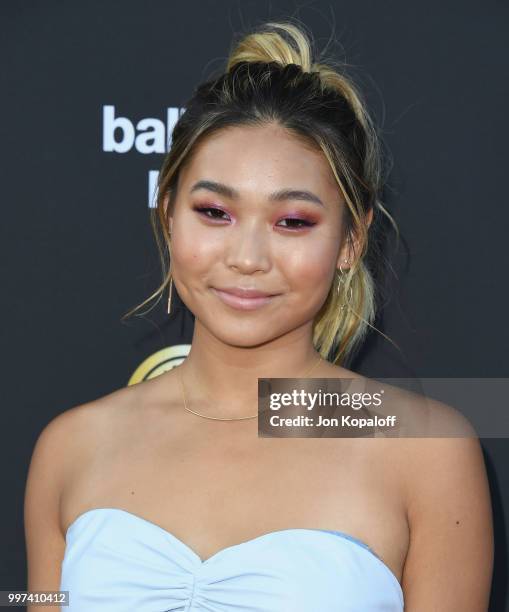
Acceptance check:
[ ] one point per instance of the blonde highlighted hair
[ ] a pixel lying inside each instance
(271, 76)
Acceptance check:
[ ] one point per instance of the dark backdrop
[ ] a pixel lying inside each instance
(77, 248)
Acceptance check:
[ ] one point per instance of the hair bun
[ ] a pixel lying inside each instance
(283, 43)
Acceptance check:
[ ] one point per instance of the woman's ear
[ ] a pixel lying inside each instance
(351, 246)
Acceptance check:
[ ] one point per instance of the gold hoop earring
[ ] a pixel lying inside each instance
(168, 309)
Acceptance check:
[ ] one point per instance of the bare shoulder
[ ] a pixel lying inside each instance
(66, 443)
(449, 561)
(67, 437)
(445, 488)
(417, 415)
(72, 438)
(112, 418)
(74, 429)
(80, 427)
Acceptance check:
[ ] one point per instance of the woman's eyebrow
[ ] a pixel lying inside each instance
(276, 196)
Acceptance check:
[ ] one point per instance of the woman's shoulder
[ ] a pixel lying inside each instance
(65, 444)
(97, 423)
(430, 432)
(98, 414)
(421, 416)
(122, 410)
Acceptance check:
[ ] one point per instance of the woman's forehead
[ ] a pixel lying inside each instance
(261, 159)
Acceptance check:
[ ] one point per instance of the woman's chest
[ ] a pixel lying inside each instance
(212, 494)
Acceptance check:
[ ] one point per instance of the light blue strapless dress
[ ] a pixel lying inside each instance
(116, 561)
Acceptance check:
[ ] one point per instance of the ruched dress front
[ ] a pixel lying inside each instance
(116, 561)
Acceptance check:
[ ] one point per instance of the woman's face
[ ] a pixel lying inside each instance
(240, 230)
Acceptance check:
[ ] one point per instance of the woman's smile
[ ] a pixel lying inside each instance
(243, 303)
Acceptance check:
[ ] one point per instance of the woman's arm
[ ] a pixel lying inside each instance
(45, 543)
(450, 558)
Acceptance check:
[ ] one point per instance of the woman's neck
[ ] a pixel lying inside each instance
(222, 380)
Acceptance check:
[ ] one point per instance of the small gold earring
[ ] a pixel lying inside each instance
(169, 296)
(340, 283)
(344, 261)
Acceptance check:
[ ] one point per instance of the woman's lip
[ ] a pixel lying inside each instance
(242, 303)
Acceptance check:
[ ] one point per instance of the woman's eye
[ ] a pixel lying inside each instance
(303, 223)
(205, 209)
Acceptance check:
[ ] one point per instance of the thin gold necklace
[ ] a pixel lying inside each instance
(229, 418)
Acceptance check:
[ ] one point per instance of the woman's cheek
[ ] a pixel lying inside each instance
(193, 253)
(179, 250)
(311, 269)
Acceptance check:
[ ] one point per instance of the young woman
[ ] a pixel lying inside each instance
(162, 496)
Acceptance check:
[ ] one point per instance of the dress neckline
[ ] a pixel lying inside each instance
(343, 535)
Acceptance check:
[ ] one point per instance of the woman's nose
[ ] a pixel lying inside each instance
(247, 249)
